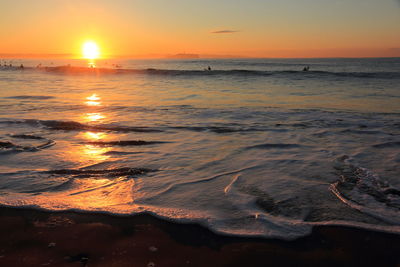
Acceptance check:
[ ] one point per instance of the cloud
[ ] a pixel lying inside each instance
(225, 31)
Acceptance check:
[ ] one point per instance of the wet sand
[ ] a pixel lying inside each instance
(39, 238)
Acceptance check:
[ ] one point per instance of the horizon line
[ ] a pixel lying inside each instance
(166, 56)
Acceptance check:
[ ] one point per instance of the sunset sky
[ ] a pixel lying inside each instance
(254, 28)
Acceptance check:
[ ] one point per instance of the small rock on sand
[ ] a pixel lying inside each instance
(153, 249)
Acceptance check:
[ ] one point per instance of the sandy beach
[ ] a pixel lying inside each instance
(39, 238)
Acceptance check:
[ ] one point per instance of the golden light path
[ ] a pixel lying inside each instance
(93, 153)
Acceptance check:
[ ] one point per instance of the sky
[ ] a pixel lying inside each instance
(251, 28)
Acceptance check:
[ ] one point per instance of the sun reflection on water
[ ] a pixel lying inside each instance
(93, 103)
(95, 136)
(93, 117)
(95, 153)
(93, 97)
(93, 100)
(90, 153)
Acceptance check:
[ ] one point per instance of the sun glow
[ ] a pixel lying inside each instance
(90, 50)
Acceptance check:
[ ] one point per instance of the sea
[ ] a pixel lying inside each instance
(252, 147)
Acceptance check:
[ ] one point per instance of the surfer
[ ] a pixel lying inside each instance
(306, 68)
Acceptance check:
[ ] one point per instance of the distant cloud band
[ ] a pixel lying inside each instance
(225, 31)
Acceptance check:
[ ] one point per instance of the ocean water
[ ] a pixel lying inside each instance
(255, 147)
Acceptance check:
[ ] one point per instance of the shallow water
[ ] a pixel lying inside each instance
(253, 147)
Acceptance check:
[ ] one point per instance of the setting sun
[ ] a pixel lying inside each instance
(90, 50)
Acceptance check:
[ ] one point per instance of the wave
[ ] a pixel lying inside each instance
(365, 191)
(118, 172)
(65, 180)
(7, 146)
(59, 125)
(76, 126)
(124, 143)
(274, 146)
(33, 97)
(233, 72)
(27, 136)
(264, 214)
(117, 153)
(353, 131)
(387, 145)
(219, 129)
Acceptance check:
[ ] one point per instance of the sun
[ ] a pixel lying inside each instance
(90, 50)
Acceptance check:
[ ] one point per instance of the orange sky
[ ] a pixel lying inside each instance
(255, 28)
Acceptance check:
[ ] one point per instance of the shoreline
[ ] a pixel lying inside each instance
(31, 237)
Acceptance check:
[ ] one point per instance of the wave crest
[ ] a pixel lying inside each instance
(233, 72)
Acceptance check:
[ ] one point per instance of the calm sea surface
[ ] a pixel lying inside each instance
(253, 147)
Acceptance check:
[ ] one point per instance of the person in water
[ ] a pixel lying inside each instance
(306, 68)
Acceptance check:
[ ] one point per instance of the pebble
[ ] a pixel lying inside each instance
(153, 249)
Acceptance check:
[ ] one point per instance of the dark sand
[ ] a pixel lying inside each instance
(38, 238)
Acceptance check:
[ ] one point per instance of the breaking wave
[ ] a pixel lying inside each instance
(233, 72)
(365, 191)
